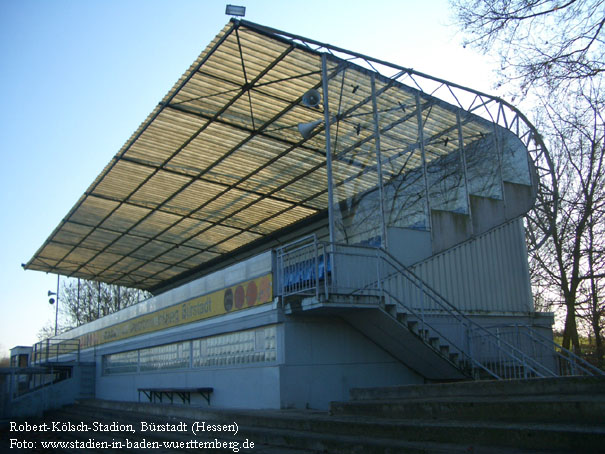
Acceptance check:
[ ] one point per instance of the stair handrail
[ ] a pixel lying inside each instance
(509, 350)
(466, 356)
(562, 353)
(588, 368)
(513, 353)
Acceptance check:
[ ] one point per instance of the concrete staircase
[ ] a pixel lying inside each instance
(553, 414)
(414, 344)
(531, 416)
(387, 310)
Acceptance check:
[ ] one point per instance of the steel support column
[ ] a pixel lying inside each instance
(498, 145)
(422, 153)
(384, 242)
(462, 152)
(324, 76)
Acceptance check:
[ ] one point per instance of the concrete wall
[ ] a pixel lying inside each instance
(318, 360)
(235, 386)
(488, 274)
(324, 358)
(254, 386)
(34, 403)
(409, 246)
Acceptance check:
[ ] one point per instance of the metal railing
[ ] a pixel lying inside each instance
(561, 361)
(16, 382)
(56, 350)
(309, 267)
(304, 268)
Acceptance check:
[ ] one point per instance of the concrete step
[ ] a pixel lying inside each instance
(316, 431)
(587, 386)
(541, 409)
(153, 441)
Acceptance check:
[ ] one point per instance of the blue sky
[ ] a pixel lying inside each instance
(77, 77)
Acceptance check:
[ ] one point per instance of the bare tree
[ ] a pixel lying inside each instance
(554, 52)
(82, 301)
(568, 269)
(5, 361)
(544, 43)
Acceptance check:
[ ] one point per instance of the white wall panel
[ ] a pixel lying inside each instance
(488, 274)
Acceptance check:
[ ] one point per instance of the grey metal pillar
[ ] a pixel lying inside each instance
(57, 306)
(421, 142)
(384, 241)
(324, 75)
(498, 142)
(463, 164)
(99, 302)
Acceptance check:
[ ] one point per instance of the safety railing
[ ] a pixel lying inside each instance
(304, 268)
(539, 346)
(56, 350)
(15, 382)
(367, 271)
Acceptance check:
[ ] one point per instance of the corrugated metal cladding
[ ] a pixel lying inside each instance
(220, 163)
(488, 274)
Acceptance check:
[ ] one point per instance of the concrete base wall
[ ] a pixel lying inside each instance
(236, 387)
(325, 357)
(52, 396)
(319, 359)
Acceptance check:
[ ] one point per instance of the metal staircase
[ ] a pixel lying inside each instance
(385, 300)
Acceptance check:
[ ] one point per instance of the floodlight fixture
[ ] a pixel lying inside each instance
(234, 10)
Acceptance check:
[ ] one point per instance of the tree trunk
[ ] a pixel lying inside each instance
(571, 340)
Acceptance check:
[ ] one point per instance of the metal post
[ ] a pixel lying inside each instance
(324, 71)
(99, 302)
(469, 343)
(316, 260)
(464, 166)
(78, 307)
(11, 385)
(378, 276)
(323, 248)
(499, 153)
(57, 305)
(422, 153)
(384, 242)
(422, 293)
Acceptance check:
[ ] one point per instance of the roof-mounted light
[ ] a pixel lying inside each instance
(234, 10)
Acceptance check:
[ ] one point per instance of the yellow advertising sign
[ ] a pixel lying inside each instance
(241, 296)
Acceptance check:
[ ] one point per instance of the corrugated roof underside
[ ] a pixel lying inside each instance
(220, 163)
(210, 170)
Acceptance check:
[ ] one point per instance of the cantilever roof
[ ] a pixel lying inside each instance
(219, 163)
